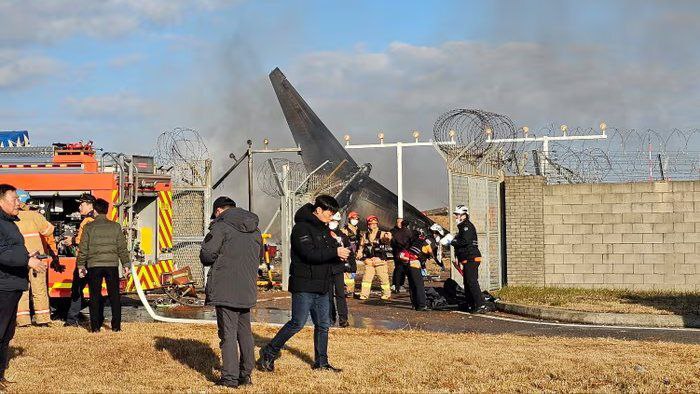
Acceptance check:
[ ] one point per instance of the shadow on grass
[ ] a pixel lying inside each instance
(682, 304)
(192, 353)
(261, 341)
(15, 352)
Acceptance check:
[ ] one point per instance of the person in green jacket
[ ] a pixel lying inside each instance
(102, 247)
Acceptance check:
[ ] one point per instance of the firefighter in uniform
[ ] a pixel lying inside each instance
(374, 245)
(38, 238)
(87, 211)
(352, 232)
(466, 248)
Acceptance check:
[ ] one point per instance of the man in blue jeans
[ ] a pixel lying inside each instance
(313, 253)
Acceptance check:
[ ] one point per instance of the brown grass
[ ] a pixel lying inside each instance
(605, 300)
(152, 357)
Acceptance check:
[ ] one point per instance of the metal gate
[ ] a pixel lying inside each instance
(482, 197)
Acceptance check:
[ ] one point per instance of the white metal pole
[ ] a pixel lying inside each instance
(399, 175)
(545, 155)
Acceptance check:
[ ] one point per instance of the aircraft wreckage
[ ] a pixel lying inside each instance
(360, 193)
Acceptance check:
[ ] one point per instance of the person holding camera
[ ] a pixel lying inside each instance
(374, 245)
(313, 253)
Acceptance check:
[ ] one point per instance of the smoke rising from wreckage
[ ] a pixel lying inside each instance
(359, 192)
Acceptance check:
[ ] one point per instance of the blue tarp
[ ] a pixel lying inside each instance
(14, 138)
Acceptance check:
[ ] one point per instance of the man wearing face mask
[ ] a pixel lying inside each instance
(313, 253)
(352, 232)
(466, 248)
(339, 307)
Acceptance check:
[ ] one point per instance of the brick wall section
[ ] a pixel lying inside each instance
(633, 235)
(525, 230)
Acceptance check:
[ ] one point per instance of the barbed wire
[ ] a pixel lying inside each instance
(626, 155)
(294, 174)
(183, 153)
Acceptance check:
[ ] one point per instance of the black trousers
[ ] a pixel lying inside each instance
(97, 302)
(8, 320)
(470, 270)
(76, 297)
(416, 287)
(398, 277)
(337, 294)
(234, 332)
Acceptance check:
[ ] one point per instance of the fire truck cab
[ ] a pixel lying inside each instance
(55, 176)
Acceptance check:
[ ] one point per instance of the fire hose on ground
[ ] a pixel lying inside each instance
(156, 317)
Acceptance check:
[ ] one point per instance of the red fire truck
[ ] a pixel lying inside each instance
(140, 199)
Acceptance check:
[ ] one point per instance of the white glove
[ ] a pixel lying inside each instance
(446, 240)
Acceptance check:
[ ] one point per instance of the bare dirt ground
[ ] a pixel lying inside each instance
(155, 357)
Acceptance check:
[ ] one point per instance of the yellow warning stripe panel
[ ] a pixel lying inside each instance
(165, 221)
(113, 213)
(150, 275)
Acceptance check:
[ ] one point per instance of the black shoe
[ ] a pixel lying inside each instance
(245, 381)
(482, 310)
(423, 309)
(227, 383)
(95, 329)
(116, 329)
(344, 323)
(71, 324)
(326, 367)
(267, 361)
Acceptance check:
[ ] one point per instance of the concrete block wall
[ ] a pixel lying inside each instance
(525, 247)
(643, 236)
(632, 235)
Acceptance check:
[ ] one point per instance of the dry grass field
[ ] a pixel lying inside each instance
(605, 300)
(153, 357)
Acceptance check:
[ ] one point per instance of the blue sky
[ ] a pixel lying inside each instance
(122, 71)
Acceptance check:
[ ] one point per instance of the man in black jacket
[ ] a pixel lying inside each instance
(313, 253)
(232, 250)
(398, 276)
(15, 262)
(466, 248)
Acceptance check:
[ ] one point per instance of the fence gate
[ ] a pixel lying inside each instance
(191, 212)
(482, 196)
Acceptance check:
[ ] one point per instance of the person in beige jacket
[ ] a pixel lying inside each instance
(38, 238)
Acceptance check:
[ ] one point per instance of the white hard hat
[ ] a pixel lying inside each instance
(437, 228)
(461, 210)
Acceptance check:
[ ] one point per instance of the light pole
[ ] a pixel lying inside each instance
(399, 157)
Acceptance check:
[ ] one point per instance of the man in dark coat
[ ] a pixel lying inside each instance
(15, 262)
(232, 250)
(410, 255)
(466, 248)
(398, 276)
(313, 253)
